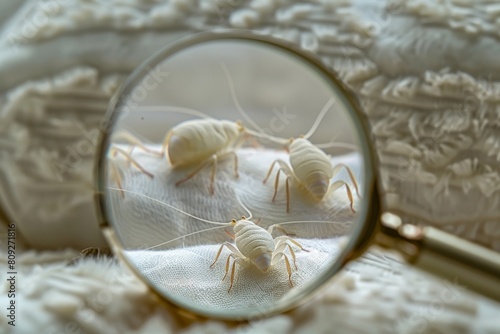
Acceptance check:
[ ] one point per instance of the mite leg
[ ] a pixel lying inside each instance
(285, 238)
(231, 247)
(115, 175)
(276, 183)
(281, 243)
(276, 257)
(247, 138)
(115, 150)
(288, 172)
(230, 234)
(213, 160)
(129, 152)
(134, 141)
(242, 261)
(337, 184)
(281, 229)
(235, 157)
(280, 248)
(269, 171)
(238, 258)
(338, 167)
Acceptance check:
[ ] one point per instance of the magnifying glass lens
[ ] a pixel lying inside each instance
(236, 176)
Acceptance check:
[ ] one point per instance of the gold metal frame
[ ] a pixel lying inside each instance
(426, 248)
(466, 264)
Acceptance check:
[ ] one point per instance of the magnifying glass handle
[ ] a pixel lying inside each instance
(464, 264)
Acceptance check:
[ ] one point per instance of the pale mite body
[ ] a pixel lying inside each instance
(312, 170)
(255, 245)
(311, 166)
(201, 143)
(198, 140)
(115, 172)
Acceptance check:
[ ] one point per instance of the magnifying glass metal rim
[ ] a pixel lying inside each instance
(385, 230)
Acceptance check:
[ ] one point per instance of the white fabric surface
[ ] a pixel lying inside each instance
(185, 274)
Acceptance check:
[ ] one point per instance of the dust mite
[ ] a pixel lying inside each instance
(195, 143)
(309, 167)
(255, 245)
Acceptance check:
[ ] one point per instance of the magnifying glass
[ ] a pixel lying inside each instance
(237, 176)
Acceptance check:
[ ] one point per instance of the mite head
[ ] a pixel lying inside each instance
(287, 146)
(243, 219)
(240, 126)
(293, 143)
